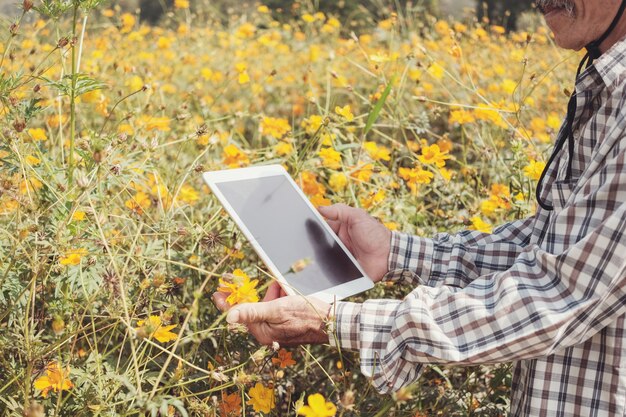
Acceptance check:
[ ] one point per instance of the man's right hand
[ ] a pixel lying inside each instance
(364, 236)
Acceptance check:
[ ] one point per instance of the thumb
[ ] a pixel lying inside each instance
(251, 313)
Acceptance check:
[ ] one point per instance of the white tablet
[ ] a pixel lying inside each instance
(288, 233)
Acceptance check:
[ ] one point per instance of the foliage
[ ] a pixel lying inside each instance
(106, 274)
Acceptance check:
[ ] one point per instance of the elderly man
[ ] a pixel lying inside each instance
(547, 292)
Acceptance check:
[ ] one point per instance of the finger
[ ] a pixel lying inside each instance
(252, 313)
(219, 299)
(334, 224)
(341, 212)
(273, 292)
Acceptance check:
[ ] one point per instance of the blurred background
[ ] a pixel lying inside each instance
(512, 14)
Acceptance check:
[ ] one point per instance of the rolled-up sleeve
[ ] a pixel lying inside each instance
(456, 259)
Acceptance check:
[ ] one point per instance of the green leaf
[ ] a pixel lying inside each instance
(373, 116)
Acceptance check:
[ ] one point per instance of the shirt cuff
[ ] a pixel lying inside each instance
(344, 332)
(410, 258)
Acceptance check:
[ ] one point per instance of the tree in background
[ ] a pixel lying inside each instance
(503, 12)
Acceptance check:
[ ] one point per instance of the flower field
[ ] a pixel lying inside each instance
(111, 245)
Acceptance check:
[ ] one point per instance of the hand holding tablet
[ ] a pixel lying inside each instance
(288, 233)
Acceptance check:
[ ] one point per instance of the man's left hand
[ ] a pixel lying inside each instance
(288, 320)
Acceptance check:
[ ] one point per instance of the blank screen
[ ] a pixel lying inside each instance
(289, 232)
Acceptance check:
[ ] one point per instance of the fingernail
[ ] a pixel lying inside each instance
(233, 316)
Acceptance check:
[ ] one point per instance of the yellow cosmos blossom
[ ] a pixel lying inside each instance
(73, 256)
(414, 177)
(30, 185)
(534, 169)
(33, 160)
(345, 112)
(283, 148)
(181, 4)
(378, 153)
(239, 288)
(317, 407)
(37, 134)
(234, 157)
(363, 173)
(275, 127)
(261, 398)
(188, 194)
(153, 328)
(312, 124)
(461, 117)
(139, 202)
(330, 158)
(480, 225)
(372, 199)
(432, 155)
(55, 379)
(309, 184)
(79, 215)
(338, 182)
(161, 124)
(319, 200)
(128, 22)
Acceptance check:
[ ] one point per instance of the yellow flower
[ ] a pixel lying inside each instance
(275, 127)
(158, 123)
(377, 153)
(363, 173)
(78, 215)
(234, 157)
(37, 134)
(154, 328)
(461, 117)
(372, 199)
(239, 288)
(73, 256)
(309, 184)
(181, 4)
(55, 379)
(330, 158)
(283, 148)
(479, 225)
(261, 398)
(33, 160)
(318, 407)
(534, 169)
(345, 112)
(139, 202)
(312, 124)
(188, 194)
(432, 155)
(243, 78)
(128, 22)
(338, 182)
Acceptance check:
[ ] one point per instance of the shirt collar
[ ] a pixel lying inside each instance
(611, 66)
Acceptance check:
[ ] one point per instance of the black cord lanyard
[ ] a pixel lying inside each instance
(567, 134)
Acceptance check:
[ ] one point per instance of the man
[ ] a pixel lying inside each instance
(547, 292)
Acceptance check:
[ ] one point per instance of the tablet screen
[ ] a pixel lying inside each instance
(290, 233)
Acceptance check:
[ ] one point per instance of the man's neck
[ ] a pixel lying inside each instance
(618, 34)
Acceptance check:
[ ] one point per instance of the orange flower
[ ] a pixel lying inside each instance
(284, 359)
(235, 157)
(230, 405)
(55, 379)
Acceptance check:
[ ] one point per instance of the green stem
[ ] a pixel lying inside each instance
(70, 178)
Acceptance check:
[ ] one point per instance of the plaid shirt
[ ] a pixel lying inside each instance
(547, 293)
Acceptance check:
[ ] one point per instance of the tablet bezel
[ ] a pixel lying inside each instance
(329, 295)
